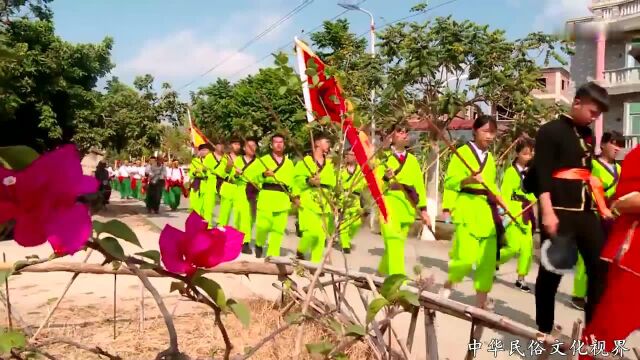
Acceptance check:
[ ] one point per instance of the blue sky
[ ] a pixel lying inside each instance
(177, 40)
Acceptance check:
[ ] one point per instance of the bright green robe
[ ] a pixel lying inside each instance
(213, 168)
(402, 212)
(196, 198)
(243, 210)
(475, 242)
(273, 205)
(315, 210)
(518, 235)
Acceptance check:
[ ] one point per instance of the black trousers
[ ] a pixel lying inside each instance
(154, 195)
(585, 227)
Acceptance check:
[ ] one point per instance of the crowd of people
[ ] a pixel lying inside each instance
(574, 190)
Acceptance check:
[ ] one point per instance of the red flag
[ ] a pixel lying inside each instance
(326, 99)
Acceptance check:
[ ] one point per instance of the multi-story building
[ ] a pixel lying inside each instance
(557, 86)
(607, 49)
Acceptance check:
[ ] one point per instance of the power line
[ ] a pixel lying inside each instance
(269, 29)
(359, 36)
(290, 43)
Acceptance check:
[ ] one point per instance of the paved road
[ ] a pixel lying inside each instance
(509, 301)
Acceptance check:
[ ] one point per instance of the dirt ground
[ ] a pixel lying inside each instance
(197, 334)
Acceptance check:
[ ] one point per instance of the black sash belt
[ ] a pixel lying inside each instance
(274, 187)
(495, 214)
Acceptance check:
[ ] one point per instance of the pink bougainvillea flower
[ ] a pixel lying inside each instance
(198, 246)
(43, 201)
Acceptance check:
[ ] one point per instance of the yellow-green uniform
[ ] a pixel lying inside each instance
(609, 176)
(273, 202)
(198, 177)
(475, 239)
(216, 168)
(315, 212)
(519, 234)
(353, 183)
(226, 189)
(403, 194)
(244, 206)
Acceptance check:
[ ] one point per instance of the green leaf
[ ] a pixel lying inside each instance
(212, 289)
(10, 339)
(407, 297)
(340, 356)
(152, 255)
(335, 326)
(241, 311)
(323, 348)
(355, 330)
(315, 80)
(17, 157)
(118, 229)
(294, 318)
(112, 247)
(282, 90)
(374, 307)
(311, 72)
(325, 119)
(391, 285)
(334, 99)
(4, 275)
(176, 286)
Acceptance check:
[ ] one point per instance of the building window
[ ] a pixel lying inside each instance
(633, 47)
(562, 85)
(633, 116)
(543, 82)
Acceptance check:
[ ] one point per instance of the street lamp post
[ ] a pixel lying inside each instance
(372, 43)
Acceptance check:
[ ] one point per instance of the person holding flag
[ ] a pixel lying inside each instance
(276, 179)
(352, 186)
(405, 195)
(199, 177)
(246, 170)
(314, 180)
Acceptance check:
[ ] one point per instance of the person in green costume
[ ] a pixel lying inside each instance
(353, 183)
(246, 170)
(519, 234)
(475, 213)
(313, 182)
(136, 173)
(275, 181)
(404, 194)
(607, 170)
(225, 187)
(219, 184)
(198, 176)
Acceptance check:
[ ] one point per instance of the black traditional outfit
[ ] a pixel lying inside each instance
(156, 177)
(562, 167)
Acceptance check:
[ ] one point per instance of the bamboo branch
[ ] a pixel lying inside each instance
(237, 267)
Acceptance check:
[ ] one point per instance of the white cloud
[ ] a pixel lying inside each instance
(556, 12)
(181, 57)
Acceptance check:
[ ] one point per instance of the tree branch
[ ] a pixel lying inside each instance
(96, 350)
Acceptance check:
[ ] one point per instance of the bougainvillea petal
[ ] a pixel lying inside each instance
(67, 239)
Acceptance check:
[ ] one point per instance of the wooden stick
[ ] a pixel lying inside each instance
(436, 302)
(238, 268)
(575, 335)
(6, 287)
(64, 292)
(556, 331)
(431, 339)
(412, 327)
(115, 288)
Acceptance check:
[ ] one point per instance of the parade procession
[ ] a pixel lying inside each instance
(451, 183)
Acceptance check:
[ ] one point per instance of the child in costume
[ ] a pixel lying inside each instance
(275, 181)
(519, 234)
(475, 214)
(405, 195)
(314, 180)
(247, 169)
(607, 170)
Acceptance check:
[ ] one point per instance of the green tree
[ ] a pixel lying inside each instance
(46, 86)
